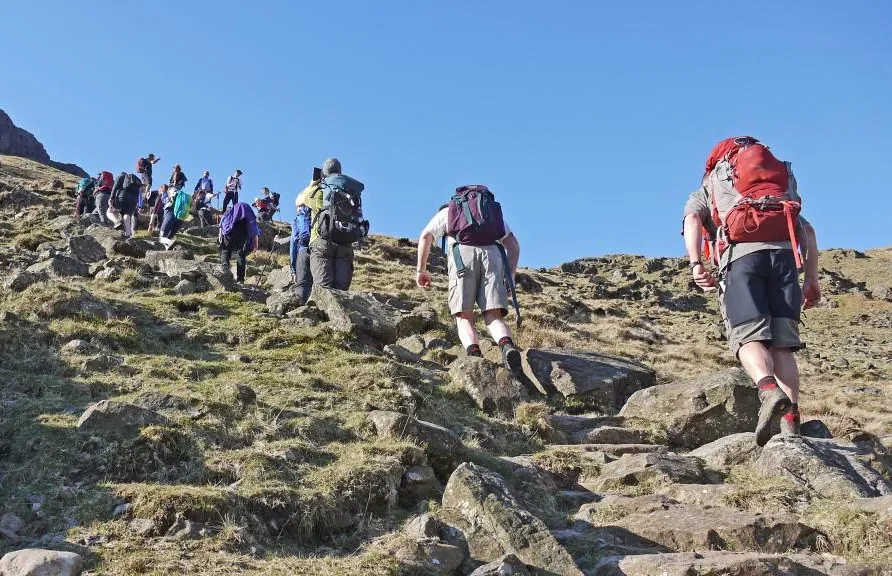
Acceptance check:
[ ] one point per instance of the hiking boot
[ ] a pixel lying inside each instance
(774, 405)
(790, 423)
(511, 359)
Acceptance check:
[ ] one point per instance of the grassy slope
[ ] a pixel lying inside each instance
(303, 453)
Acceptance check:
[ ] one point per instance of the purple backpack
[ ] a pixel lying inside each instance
(475, 218)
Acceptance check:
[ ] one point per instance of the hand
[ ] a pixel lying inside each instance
(276, 238)
(423, 279)
(811, 293)
(703, 278)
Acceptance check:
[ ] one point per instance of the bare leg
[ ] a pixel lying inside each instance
(496, 326)
(464, 321)
(786, 372)
(756, 360)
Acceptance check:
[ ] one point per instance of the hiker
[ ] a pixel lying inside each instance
(204, 184)
(144, 169)
(336, 202)
(104, 184)
(233, 186)
(299, 242)
(126, 193)
(272, 202)
(176, 210)
(239, 235)
(264, 206)
(748, 206)
(178, 178)
(157, 215)
(482, 253)
(201, 207)
(84, 203)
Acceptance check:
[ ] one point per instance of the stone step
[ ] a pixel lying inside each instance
(576, 498)
(613, 449)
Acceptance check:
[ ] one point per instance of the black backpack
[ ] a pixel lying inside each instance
(340, 219)
(132, 184)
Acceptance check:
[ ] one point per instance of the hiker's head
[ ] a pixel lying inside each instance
(176, 167)
(238, 172)
(331, 166)
(163, 188)
(206, 173)
(265, 191)
(151, 157)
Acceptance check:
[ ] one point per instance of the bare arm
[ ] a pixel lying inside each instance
(422, 276)
(512, 247)
(693, 240)
(811, 288)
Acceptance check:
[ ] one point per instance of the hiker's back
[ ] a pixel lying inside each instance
(475, 218)
(340, 220)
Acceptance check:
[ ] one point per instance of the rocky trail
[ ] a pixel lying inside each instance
(157, 418)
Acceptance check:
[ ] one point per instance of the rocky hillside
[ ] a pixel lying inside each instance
(157, 419)
(15, 141)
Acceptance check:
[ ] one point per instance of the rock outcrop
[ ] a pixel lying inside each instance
(16, 141)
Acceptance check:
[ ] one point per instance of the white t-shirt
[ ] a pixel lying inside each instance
(438, 224)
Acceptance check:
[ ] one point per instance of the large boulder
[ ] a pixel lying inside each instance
(507, 565)
(699, 410)
(117, 420)
(493, 388)
(279, 279)
(59, 266)
(358, 314)
(133, 247)
(494, 523)
(832, 468)
(641, 468)
(37, 562)
(729, 451)
(153, 257)
(280, 303)
(587, 379)
(442, 445)
(86, 249)
(195, 271)
(679, 527)
(427, 556)
(19, 280)
(725, 564)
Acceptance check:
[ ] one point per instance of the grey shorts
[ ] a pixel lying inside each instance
(482, 283)
(761, 300)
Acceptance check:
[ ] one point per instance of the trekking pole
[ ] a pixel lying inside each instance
(269, 261)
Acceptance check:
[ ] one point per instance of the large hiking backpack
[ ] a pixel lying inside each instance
(85, 187)
(106, 182)
(132, 184)
(302, 226)
(340, 219)
(240, 212)
(182, 205)
(475, 218)
(274, 198)
(754, 196)
(141, 165)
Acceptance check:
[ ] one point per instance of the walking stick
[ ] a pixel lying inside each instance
(269, 261)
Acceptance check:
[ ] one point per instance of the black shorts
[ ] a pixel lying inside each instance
(761, 300)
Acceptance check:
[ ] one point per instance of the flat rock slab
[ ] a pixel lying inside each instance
(680, 527)
(507, 565)
(359, 314)
(59, 267)
(613, 449)
(494, 523)
(117, 420)
(725, 564)
(37, 562)
(832, 468)
(617, 435)
(86, 249)
(588, 379)
(729, 451)
(443, 446)
(698, 494)
(635, 469)
(699, 410)
(493, 388)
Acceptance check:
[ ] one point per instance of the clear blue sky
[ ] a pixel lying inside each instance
(590, 120)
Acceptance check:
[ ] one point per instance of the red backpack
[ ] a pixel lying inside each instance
(106, 181)
(757, 207)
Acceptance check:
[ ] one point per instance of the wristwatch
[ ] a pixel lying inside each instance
(693, 265)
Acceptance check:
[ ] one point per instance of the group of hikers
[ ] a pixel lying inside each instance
(744, 219)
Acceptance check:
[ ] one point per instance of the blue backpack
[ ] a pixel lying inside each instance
(302, 225)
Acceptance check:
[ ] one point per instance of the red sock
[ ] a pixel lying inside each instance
(767, 383)
(504, 341)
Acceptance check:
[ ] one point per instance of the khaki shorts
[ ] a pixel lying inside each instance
(761, 300)
(482, 283)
